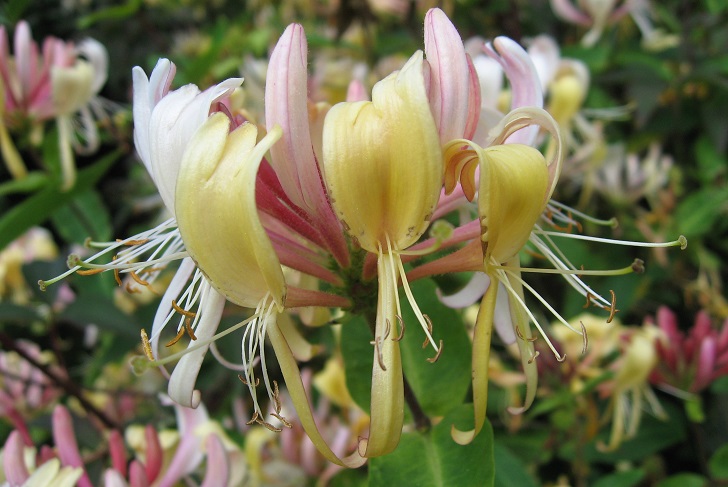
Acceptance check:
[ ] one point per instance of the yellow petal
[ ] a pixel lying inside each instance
(513, 187)
(382, 161)
(217, 214)
(72, 87)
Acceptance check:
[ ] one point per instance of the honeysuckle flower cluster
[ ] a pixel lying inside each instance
(24, 390)
(162, 459)
(597, 15)
(689, 362)
(330, 200)
(58, 80)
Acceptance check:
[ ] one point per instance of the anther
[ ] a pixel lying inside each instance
(131, 289)
(189, 314)
(146, 345)
(242, 379)
(177, 338)
(401, 329)
(380, 360)
(588, 301)
(89, 272)
(269, 426)
(117, 276)
(523, 337)
(276, 397)
(586, 338)
(188, 328)
(559, 359)
(138, 279)
(429, 330)
(387, 329)
(132, 243)
(434, 359)
(255, 413)
(530, 361)
(638, 266)
(613, 308)
(283, 420)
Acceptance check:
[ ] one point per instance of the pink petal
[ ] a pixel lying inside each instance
(189, 450)
(154, 453)
(449, 76)
(286, 104)
(137, 475)
(522, 75)
(566, 11)
(218, 468)
(705, 365)
(65, 440)
(16, 472)
(117, 452)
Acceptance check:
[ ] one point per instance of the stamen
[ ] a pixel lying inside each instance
(401, 329)
(132, 243)
(612, 222)
(283, 420)
(269, 426)
(117, 277)
(682, 242)
(242, 379)
(255, 417)
(575, 272)
(524, 338)
(138, 279)
(429, 332)
(588, 301)
(188, 327)
(276, 397)
(131, 289)
(146, 345)
(84, 272)
(177, 338)
(181, 311)
(613, 309)
(586, 338)
(434, 359)
(379, 354)
(530, 361)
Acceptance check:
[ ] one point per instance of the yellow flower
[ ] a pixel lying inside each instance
(383, 170)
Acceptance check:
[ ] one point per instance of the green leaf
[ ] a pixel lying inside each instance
(37, 208)
(440, 386)
(629, 478)
(99, 310)
(711, 163)
(85, 216)
(684, 480)
(510, 470)
(13, 313)
(433, 459)
(34, 181)
(697, 213)
(718, 463)
(358, 356)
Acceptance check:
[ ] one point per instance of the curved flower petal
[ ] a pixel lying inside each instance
(521, 73)
(449, 76)
(382, 161)
(218, 178)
